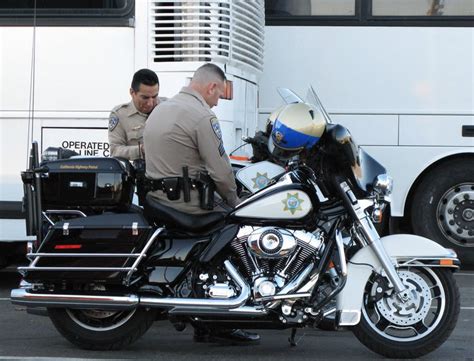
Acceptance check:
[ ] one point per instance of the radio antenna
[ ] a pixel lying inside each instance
(31, 106)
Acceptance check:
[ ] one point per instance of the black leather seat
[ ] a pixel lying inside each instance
(160, 214)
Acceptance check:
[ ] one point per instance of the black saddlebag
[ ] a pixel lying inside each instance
(98, 248)
(91, 183)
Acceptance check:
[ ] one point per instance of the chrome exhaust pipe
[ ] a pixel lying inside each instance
(22, 297)
(242, 311)
(193, 303)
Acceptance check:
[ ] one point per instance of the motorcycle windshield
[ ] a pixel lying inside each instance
(366, 169)
(290, 97)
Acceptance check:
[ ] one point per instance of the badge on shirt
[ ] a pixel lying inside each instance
(216, 128)
(113, 121)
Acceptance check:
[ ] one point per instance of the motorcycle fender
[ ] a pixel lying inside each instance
(400, 248)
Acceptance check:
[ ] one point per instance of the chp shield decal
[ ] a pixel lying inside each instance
(260, 181)
(113, 121)
(292, 203)
(216, 128)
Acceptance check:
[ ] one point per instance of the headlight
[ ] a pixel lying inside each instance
(383, 185)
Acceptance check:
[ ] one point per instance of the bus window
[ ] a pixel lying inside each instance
(310, 8)
(70, 12)
(422, 8)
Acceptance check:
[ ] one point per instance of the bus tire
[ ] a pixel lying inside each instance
(443, 207)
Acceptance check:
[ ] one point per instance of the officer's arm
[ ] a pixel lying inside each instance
(211, 150)
(118, 140)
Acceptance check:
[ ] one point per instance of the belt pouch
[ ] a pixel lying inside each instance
(171, 188)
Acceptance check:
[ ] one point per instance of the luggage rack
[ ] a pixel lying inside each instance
(61, 211)
(35, 256)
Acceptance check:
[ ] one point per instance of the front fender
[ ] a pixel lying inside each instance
(400, 248)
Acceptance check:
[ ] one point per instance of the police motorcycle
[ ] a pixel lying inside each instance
(106, 271)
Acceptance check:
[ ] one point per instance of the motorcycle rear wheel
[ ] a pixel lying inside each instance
(412, 329)
(99, 329)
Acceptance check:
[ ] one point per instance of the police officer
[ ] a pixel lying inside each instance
(127, 121)
(184, 132)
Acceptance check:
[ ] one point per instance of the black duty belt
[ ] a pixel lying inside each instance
(174, 186)
(170, 184)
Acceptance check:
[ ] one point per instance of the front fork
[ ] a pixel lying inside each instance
(371, 238)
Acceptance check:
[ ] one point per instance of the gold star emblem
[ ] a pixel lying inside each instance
(292, 203)
(260, 181)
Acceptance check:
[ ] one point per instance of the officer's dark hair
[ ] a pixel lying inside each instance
(146, 77)
(207, 71)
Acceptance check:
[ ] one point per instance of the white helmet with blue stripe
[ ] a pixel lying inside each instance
(298, 126)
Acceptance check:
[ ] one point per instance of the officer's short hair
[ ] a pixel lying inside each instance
(207, 73)
(146, 77)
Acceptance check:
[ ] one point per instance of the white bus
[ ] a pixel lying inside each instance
(60, 79)
(400, 75)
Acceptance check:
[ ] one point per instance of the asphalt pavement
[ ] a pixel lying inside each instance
(30, 337)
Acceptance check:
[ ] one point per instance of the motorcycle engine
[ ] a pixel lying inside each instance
(272, 256)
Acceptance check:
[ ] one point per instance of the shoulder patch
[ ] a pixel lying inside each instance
(216, 128)
(113, 122)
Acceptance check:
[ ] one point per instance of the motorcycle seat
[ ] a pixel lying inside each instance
(158, 213)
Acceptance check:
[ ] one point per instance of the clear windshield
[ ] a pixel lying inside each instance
(289, 97)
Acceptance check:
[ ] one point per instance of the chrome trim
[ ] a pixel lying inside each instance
(341, 252)
(348, 317)
(132, 255)
(192, 303)
(284, 297)
(47, 218)
(296, 282)
(21, 296)
(383, 185)
(239, 311)
(403, 262)
(129, 270)
(373, 239)
(78, 269)
(126, 281)
(65, 211)
(66, 229)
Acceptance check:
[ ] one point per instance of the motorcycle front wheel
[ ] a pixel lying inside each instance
(101, 329)
(410, 329)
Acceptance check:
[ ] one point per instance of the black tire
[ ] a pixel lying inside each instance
(391, 343)
(88, 330)
(434, 214)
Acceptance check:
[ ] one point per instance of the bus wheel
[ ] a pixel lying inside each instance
(443, 208)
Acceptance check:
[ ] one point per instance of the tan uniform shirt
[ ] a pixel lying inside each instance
(126, 125)
(184, 131)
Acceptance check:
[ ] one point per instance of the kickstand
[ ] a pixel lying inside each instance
(293, 342)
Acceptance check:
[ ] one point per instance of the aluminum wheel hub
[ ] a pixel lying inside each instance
(455, 214)
(412, 311)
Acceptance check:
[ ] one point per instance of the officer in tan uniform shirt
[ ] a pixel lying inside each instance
(127, 121)
(184, 131)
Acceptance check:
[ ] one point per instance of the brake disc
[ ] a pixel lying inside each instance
(412, 311)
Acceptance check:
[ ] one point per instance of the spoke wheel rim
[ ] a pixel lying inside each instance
(406, 323)
(100, 320)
